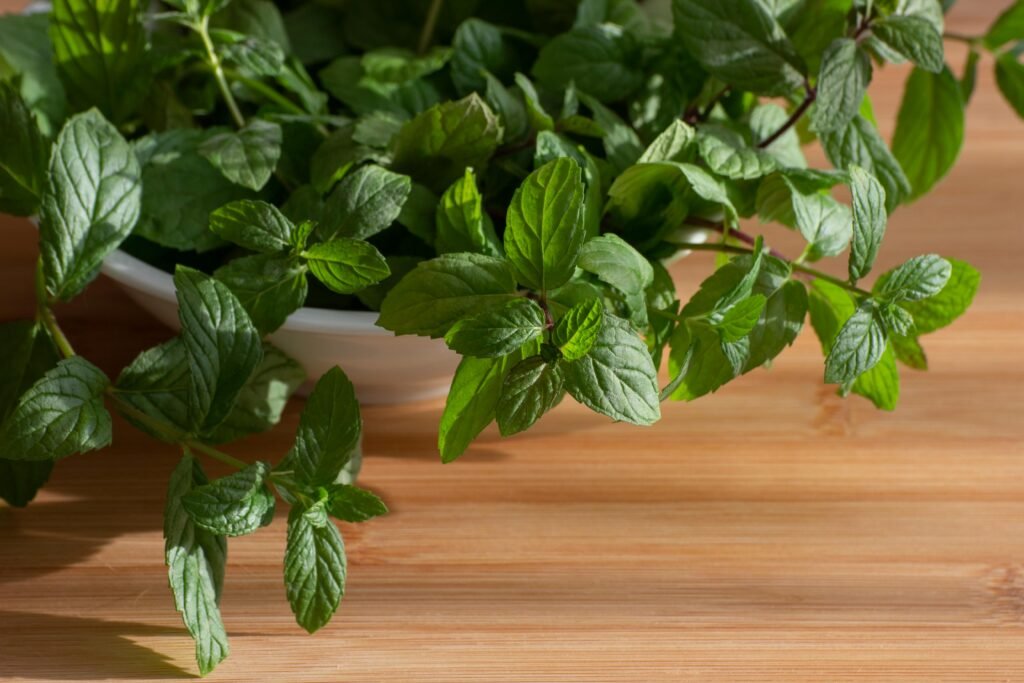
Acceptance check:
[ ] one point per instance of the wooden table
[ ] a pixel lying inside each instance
(772, 531)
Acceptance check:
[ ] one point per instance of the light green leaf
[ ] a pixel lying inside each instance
(912, 37)
(99, 48)
(601, 60)
(615, 262)
(726, 154)
(824, 222)
(442, 291)
(234, 505)
(617, 377)
(498, 331)
(741, 43)
(346, 265)
(544, 230)
(461, 222)
(908, 351)
(531, 388)
(859, 144)
(577, 331)
(673, 144)
(869, 221)
(397, 65)
(737, 321)
(858, 346)
(247, 157)
(22, 156)
(353, 504)
(314, 570)
(91, 203)
(365, 202)
(195, 567)
(221, 343)
(253, 224)
(929, 128)
(917, 279)
(845, 74)
(269, 287)
(328, 434)
(536, 114)
(941, 309)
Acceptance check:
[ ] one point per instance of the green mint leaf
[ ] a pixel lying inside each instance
(336, 156)
(396, 65)
(180, 189)
(22, 156)
(622, 145)
(728, 155)
(741, 43)
(929, 128)
(908, 351)
(314, 570)
(246, 157)
(780, 324)
(601, 60)
(254, 55)
(221, 343)
(195, 567)
(418, 213)
(346, 79)
(234, 505)
(617, 378)
(346, 265)
(353, 504)
(673, 144)
(20, 480)
(774, 200)
(328, 433)
(156, 383)
(253, 224)
(858, 346)
(438, 144)
(499, 331)
(765, 120)
(918, 278)
(912, 37)
(376, 131)
(442, 291)
(881, 384)
(365, 202)
(478, 49)
(737, 321)
(537, 116)
(577, 331)
(859, 144)
(615, 262)
(510, 108)
(90, 205)
(544, 231)
(99, 47)
(869, 220)
(261, 402)
(845, 74)
(269, 287)
(1010, 79)
(551, 146)
(531, 388)
(941, 309)
(897, 320)
(700, 362)
(60, 414)
(26, 48)
(472, 402)
(1009, 26)
(462, 225)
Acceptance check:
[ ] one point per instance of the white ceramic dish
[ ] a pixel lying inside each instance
(384, 368)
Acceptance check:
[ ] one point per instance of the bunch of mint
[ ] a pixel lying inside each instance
(509, 176)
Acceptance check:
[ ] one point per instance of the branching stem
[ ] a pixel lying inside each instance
(809, 98)
(203, 29)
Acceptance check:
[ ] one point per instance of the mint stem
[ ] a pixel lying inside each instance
(809, 98)
(203, 29)
(427, 34)
(45, 316)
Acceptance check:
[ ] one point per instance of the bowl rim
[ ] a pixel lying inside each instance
(136, 274)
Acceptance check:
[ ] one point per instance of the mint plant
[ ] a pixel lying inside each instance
(512, 178)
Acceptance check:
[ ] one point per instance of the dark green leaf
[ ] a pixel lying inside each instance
(247, 157)
(531, 388)
(845, 74)
(346, 265)
(497, 331)
(728, 155)
(365, 202)
(860, 144)
(22, 156)
(478, 48)
(314, 570)
(929, 129)
(336, 156)
(234, 505)
(269, 287)
(25, 47)
(601, 60)
(869, 221)
(1008, 27)
(353, 504)
(254, 225)
(157, 384)
(1010, 79)
(912, 37)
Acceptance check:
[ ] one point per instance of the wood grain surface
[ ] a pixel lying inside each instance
(769, 532)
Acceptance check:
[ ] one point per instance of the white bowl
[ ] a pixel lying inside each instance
(384, 368)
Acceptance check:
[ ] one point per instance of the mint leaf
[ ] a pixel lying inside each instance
(99, 47)
(918, 278)
(858, 346)
(353, 504)
(700, 362)
(336, 156)
(499, 331)
(462, 224)
(234, 505)
(195, 567)
(672, 144)
(845, 74)
(221, 343)
(442, 291)
(478, 48)
(615, 262)
(328, 433)
(157, 384)
(60, 414)
(253, 224)
(1010, 79)
(269, 287)
(90, 205)
(601, 60)
(941, 309)
(365, 202)
(737, 321)
(728, 155)
(780, 324)
(26, 49)
(438, 144)
(531, 388)
(577, 331)
(912, 37)
(246, 157)
(510, 108)
(859, 144)
(346, 265)
(22, 156)
(20, 480)
(314, 569)
(929, 128)
(1009, 26)
(908, 351)
(741, 43)
(535, 112)
(255, 55)
(869, 221)
(617, 377)
(396, 65)
(544, 230)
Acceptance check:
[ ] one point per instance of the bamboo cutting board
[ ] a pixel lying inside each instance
(769, 532)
